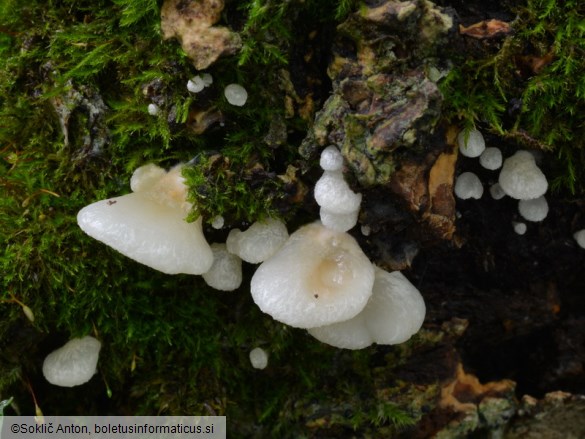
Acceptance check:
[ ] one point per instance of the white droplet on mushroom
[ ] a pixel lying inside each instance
(471, 143)
(394, 312)
(149, 225)
(153, 109)
(317, 278)
(519, 228)
(259, 242)
(491, 158)
(533, 210)
(258, 358)
(226, 272)
(521, 179)
(366, 230)
(72, 364)
(334, 194)
(468, 185)
(331, 159)
(236, 94)
(580, 238)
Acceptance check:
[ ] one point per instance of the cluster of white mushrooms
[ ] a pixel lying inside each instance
(318, 278)
(235, 94)
(520, 178)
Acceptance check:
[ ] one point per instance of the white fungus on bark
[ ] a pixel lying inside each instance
(148, 225)
(226, 272)
(468, 185)
(580, 237)
(520, 177)
(236, 95)
(258, 358)
(331, 159)
(317, 278)
(471, 143)
(74, 363)
(334, 194)
(259, 242)
(394, 312)
(491, 158)
(533, 210)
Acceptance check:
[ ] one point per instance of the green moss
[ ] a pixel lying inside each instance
(531, 88)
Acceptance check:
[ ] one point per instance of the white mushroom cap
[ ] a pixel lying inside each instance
(149, 226)
(218, 222)
(394, 313)
(519, 228)
(580, 237)
(497, 192)
(491, 158)
(153, 109)
(520, 178)
(317, 278)
(258, 358)
(340, 222)
(331, 159)
(74, 363)
(533, 210)
(226, 272)
(236, 95)
(471, 143)
(333, 193)
(468, 185)
(259, 242)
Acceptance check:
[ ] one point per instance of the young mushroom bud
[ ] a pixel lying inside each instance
(317, 278)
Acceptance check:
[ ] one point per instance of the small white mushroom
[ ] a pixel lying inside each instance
(580, 238)
(334, 194)
(236, 95)
(226, 272)
(471, 143)
(74, 363)
(468, 185)
(259, 242)
(331, 159)
(497, 192)
(394, 313)
(218, 222)
(317, 278)
(199, 82)
(519, 228)
(491, 158)
(533, 210)
(258, 358)
(153, 109)
(149, 224)
(521, 179)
